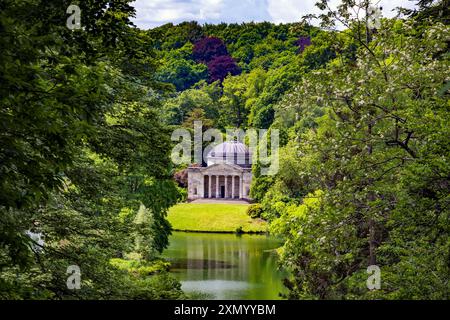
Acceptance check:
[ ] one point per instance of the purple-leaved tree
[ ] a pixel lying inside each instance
(303, 42)
(209, 48)
(221, 66)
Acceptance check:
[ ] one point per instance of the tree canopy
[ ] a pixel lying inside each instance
(87, 114)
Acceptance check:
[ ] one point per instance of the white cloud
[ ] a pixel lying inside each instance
(151, 13)
(284, 11)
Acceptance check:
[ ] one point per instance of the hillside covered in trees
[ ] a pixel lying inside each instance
(86, 119)
(234, 75)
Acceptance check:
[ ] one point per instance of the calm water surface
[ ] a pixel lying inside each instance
(226, 266)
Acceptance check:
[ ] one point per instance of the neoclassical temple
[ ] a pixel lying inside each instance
(228, 173)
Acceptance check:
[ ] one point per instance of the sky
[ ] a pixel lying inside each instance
(153, 13)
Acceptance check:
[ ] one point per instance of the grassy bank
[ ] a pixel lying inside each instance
(205, 217)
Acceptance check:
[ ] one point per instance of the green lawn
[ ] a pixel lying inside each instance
(213, 218)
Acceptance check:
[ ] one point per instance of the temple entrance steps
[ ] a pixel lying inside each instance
(225, 201)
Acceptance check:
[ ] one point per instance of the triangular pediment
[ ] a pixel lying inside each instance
(221, 168)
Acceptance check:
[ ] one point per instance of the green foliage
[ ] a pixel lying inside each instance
(183, 74)
(364, 177)
(198, 114)
(178, 109)
(140, 268)
(233, 113)
(143, 233)
(148, 279)
(86, 178)
(239, 230)
(169, 36)
(259, 187)
(266, 53)
(254, 210)
(161, 286)
(183, 194)
(81, 148)
(179, 69)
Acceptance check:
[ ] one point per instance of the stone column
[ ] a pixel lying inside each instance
(209, 186)
(232, 187)
(217, 187)
(241, 180)
(226, 187)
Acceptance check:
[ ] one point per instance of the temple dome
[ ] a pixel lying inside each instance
(230, 152)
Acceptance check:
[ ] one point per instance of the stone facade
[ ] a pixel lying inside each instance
(223, 178)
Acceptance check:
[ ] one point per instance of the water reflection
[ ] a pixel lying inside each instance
(226, 266)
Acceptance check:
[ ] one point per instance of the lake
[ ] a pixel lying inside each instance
(226, 266)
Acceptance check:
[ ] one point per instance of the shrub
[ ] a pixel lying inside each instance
(255, 210)
(181, 177)
(139, 267)
(182, 194)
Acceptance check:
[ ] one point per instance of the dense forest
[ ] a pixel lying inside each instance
(86, 118)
